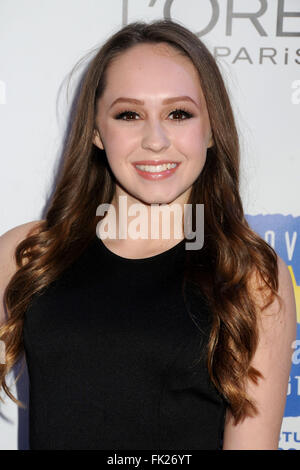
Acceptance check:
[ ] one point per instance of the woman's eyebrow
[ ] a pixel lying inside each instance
(139, 102)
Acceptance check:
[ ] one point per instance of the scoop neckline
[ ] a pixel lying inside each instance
(139, 260)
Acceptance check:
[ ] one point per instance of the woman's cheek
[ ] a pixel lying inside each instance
(191, 142)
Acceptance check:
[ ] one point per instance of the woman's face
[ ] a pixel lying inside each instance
(131, 131)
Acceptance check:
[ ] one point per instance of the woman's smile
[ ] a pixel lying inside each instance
(157, 171)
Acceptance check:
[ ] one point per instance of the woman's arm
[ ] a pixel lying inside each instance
(277, 331)
(8, 242)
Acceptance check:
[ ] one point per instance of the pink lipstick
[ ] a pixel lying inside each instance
(155, 175)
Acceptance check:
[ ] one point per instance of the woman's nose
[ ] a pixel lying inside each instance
(155, 137)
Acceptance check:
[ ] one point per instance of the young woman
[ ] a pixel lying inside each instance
(141, 343)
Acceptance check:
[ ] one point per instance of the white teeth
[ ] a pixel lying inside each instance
(156, 168)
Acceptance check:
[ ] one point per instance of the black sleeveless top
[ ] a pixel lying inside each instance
(113, 357)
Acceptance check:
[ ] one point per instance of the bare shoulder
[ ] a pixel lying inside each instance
(277, 333)
(277, 321)
(8, 243)
(284, 278)
(282, 313)
(10, 239)
(285, 292)
(20, 232)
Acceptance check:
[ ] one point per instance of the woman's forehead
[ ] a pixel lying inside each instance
(153, 70)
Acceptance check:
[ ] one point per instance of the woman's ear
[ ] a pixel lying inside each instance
(97, 140)
(211, 142)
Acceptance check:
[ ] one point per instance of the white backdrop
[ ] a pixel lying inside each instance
(259, 56)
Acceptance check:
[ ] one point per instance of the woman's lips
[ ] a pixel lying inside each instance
(156, 175)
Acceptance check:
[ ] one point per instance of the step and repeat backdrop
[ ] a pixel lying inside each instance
(257, 47)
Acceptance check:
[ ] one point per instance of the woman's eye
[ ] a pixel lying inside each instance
(182, 112)
(131, 115)
(126, 113)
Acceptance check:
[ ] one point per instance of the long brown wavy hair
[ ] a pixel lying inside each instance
(235, 264)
